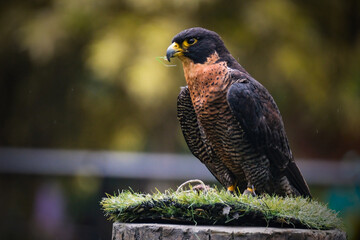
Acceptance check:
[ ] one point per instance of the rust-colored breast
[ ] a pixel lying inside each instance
(207, 82)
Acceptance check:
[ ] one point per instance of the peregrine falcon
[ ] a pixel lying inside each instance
(230, 121)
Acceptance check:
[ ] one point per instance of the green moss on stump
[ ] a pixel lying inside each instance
(219, 207)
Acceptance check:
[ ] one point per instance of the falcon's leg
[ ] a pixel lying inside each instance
(233, 187)
(250, 191)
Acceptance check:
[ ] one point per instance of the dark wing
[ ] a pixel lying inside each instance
(194, 139)
(260, 118)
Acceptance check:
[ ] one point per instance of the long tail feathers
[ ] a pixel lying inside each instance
(297, 180)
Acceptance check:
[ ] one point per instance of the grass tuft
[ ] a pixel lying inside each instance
(219, 207)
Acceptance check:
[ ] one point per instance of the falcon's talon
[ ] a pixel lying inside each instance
(231, 188)
(250, 191)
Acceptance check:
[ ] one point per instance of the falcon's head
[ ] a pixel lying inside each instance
(197, 44)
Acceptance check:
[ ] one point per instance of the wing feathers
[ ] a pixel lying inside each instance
(258, 115)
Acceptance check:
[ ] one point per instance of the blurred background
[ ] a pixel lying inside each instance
(87, 109)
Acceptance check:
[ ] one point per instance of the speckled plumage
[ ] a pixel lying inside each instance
(230, 121)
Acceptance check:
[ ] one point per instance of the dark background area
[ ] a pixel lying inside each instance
(83, 75)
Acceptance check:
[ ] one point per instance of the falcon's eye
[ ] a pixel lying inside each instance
(189, 42)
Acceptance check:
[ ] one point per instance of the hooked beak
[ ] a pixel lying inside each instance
(174, 50)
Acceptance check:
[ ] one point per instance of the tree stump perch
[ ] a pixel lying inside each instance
(140, 231)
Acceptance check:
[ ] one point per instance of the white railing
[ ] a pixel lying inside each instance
(151, 165)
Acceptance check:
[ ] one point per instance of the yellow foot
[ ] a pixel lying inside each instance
(250, 191)
(231, 188)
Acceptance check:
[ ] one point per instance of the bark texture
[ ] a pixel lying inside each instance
(132, 231)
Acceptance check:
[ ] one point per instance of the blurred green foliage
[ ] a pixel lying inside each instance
(83, 74)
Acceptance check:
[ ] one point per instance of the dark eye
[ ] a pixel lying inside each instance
(191, 40)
